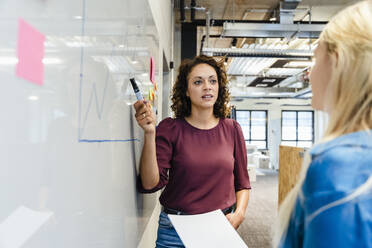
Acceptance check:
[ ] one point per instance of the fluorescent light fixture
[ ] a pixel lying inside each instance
(262, 85)
(33, 98)
(257, 93)
(269, 80)
(8, 60)
(134, 62)
(297, 85)
(14, 60)
(78, 17)
(276, 93)
(299, 64)
(283, 71)
(144, 74)
(308, 95)
(52, 61)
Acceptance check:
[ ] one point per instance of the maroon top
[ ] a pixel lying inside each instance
(206, 167)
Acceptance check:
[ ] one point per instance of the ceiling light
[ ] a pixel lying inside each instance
(33, 98)
(279, 93)
(52, 61)
(262, 85)
(284, 71)
(257, 93)
(8, 60)
(299, 64)
(308, 95)
(269, 80)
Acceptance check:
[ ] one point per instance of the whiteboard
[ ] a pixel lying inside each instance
(70, 146)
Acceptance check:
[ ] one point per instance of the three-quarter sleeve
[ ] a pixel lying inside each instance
(241, 177)
(164, 151)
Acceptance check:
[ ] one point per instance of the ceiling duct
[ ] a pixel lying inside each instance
(285, 29)
(287, 8)
(289, 4)
(272, 30)
(266, 53)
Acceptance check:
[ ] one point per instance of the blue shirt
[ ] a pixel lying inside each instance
(330, 211)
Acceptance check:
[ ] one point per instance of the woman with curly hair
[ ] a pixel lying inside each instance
(199, 156)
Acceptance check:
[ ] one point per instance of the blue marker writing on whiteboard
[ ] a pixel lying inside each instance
(136, 89)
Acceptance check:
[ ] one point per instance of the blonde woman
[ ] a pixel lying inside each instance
(331, 206)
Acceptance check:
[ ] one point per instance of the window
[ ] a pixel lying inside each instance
(254, 126)
(298, 128)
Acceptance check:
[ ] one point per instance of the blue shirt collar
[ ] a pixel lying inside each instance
(361, 138)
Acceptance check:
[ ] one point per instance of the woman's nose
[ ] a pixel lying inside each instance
(207, 84)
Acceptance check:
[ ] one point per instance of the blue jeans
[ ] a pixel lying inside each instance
(167, 235)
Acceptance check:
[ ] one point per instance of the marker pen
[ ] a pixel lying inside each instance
(136, 89)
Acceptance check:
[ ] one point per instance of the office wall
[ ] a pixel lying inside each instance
(69, 142)
(163, 12)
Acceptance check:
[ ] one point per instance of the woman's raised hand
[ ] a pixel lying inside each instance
(144, 116)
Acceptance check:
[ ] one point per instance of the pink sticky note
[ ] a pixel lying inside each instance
(30, 52)
(152, 70)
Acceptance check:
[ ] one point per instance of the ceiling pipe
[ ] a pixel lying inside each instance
(192, 14)
(182, 10)
(208, 21)
(203, 40)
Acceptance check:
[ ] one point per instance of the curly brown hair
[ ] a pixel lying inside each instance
(181, 104)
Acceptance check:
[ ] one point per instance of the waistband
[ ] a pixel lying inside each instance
(177, 212)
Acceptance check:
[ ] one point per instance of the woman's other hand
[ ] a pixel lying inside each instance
(144, 116)
(235, 219)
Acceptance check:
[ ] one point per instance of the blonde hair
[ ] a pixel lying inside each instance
(348, 38)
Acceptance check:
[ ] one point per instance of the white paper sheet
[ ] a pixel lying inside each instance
(206, 230)
(17, 228)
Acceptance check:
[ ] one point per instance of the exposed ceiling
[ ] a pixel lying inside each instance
(262, 60)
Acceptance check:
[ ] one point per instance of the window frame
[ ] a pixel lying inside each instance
(297, 140)
(250, 126)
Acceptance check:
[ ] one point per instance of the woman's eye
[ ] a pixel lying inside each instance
(213, 81)
(198, 82)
